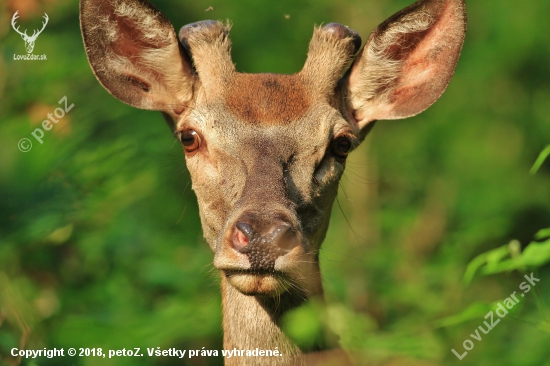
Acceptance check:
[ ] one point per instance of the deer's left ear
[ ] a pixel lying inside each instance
(407, 62)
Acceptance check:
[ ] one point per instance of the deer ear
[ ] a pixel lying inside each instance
(407, 62)
(135, 54)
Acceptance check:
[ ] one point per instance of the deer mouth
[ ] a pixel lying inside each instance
(258, 282)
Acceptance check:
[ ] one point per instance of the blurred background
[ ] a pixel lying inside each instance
(100, 239)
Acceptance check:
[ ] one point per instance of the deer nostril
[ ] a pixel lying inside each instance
(247, 230)
(276, 234)
(283, 237)
(243, 234)
(239, 240)
(246, 238)
(288, 241)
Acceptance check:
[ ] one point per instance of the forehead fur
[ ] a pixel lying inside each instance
(267, 98)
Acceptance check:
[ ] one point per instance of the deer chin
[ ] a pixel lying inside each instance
(292, 272)
(257, 283)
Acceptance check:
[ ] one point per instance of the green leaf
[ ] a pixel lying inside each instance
(61, 235)
(475, 311)
(544, 326)
(490, 259)
(541, 158)
(352, 328)
(535, 255)
(506, 259)
(303, 325)
(542, 234)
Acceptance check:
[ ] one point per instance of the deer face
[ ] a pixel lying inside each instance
(265, 161)
(265, 151)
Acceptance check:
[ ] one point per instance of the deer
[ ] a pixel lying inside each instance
(265, 151)
(29, 40)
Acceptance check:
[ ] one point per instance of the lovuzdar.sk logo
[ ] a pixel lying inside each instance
(29, 40)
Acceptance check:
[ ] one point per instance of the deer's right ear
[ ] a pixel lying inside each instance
(135, 54)
(407, 62)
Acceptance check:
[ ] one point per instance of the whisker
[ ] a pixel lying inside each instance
(351, 228)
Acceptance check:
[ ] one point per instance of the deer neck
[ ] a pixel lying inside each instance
(251, 322)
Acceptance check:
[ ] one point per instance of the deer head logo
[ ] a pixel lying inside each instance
(29, 40)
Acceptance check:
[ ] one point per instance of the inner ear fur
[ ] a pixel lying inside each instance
(407, 62)
(135, 54)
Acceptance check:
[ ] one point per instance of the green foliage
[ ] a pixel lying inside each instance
(304, 326)
(475, 311)
(502, 259)
(541, 158)
(507, 258)
(542, 234)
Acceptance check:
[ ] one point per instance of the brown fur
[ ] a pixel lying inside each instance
(329, 53)
(267, 154)
(211, 52)
(267, 98)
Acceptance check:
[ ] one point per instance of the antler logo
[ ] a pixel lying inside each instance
(29, 40)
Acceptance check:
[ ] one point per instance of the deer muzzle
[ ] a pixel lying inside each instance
(260, 253)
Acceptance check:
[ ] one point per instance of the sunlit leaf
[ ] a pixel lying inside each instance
(543, 233)
(545, 327)
(61, 235)
(304, 326)
(535, 255)
(478, 311)
(540, 159)
(489, 259)
(352, 328)
(475, 311)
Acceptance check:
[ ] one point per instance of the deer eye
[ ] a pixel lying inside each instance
(190, 139)
(341, 146)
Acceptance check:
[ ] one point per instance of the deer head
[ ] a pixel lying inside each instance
(265, 151)
(29, 40)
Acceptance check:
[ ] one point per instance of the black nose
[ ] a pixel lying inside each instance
(262, 251)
